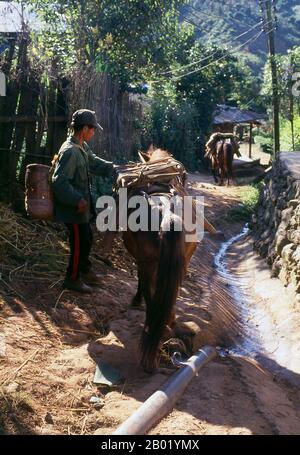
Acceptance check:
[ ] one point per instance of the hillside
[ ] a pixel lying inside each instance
(219, 22)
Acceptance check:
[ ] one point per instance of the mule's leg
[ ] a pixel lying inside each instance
(229, 173)
(230, 169)
(214, 175)
(172, 320)
(147, 281)
(222, 176)
(214, 168)
(138, 298)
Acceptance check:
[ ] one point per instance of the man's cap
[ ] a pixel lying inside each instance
(85, 117)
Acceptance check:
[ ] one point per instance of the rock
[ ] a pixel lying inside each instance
(192, 331)
(97, 402)
(276, 267)
(287, 252)
(297, 302)
(49, 418)
(12, 387)
(254, 219)
(284, 276)
(286, 215)
(281, 241)
(296, 256)
(293, 203)
(294, 236)
(276, 223)
(295, 277)
(297, 215)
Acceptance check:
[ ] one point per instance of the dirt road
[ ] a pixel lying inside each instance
(49, 343)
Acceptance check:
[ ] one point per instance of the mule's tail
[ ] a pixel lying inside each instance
(169, 277)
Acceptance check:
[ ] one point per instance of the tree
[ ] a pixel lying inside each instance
(287, 65)
(183, 101)
(129, 39)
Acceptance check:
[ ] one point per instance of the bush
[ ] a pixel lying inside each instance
(265, 140)
(245, 209)
(172, 125)
(286, 135)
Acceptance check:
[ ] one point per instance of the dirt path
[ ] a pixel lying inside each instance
(49, 343)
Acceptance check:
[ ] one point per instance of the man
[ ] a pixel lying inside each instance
(72, 197)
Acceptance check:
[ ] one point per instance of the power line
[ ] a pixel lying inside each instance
(213, 15)
(252, 39)
(214, 53)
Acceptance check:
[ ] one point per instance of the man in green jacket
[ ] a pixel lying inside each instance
(72, 197)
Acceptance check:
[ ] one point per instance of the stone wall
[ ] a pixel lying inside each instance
(276, 223)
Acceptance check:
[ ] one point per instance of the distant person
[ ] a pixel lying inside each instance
(73, 204)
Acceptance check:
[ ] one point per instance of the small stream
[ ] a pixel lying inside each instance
(249, 344)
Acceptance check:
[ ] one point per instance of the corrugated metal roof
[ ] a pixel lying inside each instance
(231, 114)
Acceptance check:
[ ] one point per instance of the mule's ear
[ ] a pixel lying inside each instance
(144, 157)
(151, 150)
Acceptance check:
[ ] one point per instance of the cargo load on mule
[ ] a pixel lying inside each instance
(215, 138)
(163, 172)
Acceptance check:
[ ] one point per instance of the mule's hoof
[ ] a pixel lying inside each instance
(150, 370)
(137, 304)
(150, 367)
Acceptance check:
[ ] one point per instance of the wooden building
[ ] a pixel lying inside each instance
(226, 118)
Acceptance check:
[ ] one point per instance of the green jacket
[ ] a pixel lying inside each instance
(71, 180)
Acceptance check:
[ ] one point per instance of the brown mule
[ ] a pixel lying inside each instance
(223, 159)
(162, 258)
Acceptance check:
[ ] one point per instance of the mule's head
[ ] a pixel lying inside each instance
(153, 154)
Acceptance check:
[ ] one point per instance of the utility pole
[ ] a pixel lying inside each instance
(291, 96)
(269, 29)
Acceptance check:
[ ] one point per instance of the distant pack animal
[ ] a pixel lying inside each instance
(222, 161)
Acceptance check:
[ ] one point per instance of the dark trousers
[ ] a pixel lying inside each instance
(80, 240)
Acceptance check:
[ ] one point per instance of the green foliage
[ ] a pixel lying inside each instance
(265, 140)
(286, 134)
(130, 39)
(171, 124)
(181, 106)
(142, 44)
(286, 65)
(245, 209)
(217, 23)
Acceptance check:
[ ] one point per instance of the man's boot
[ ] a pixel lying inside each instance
(78, 286)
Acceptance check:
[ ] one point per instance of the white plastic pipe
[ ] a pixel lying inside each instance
(163, 401)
